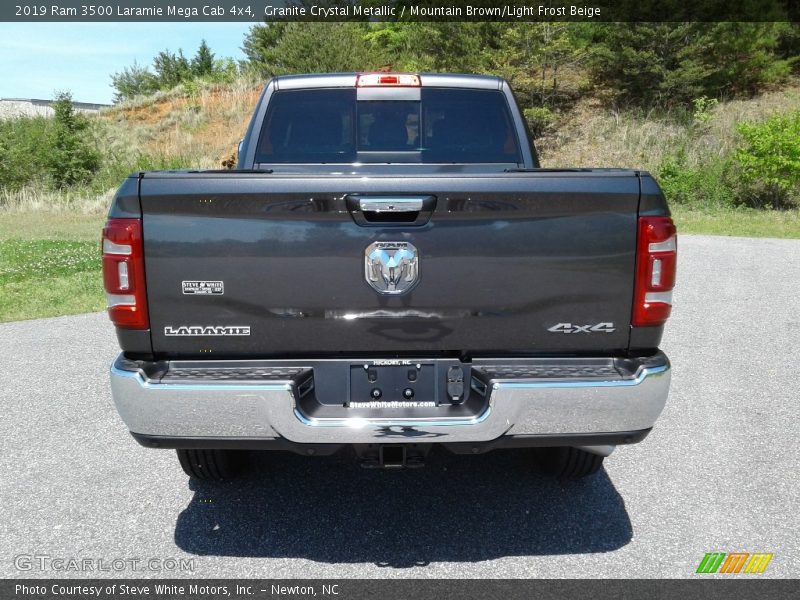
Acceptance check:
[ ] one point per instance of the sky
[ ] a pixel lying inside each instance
(39, 59)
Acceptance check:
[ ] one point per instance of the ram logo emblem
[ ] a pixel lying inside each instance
(391, 267)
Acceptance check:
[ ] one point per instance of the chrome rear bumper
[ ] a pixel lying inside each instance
(530, 397)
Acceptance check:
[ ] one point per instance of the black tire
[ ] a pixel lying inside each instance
(210, 465)
(566, 462)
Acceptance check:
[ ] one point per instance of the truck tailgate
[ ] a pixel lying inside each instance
(274, 265)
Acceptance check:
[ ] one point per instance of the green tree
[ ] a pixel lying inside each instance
(647, 64)
(24, 151)
(743, 58)
(225, 70)
(203, 62)
(543, 61)
(435, 46)
(73, 157)
(669, 64)
(171, 69)
(769, 158)
(280, 48)
(789, 44)
(259, 46)
(133, 81)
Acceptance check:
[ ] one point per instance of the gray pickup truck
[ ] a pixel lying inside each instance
(388, 269)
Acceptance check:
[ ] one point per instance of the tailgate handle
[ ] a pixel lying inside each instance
(390, 211)
(379, 205)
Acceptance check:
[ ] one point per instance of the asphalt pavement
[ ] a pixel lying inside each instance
(718, 473)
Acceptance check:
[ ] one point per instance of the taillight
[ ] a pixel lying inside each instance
(656, 259)
(123, 273)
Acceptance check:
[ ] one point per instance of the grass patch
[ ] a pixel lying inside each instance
(52, 297)
(47, 277)
(51, 226)
(740, 222)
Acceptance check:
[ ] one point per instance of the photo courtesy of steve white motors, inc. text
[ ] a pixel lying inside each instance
(194, 590)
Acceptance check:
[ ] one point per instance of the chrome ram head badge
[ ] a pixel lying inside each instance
(391, 267)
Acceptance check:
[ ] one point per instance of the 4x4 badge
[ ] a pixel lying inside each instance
(572, 328)
(391, 267)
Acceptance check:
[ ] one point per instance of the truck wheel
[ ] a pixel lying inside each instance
(210, 465)
(567, 462)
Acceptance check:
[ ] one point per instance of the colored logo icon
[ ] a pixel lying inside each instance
(734, 562)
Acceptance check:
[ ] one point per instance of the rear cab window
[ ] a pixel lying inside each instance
(445, 125)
